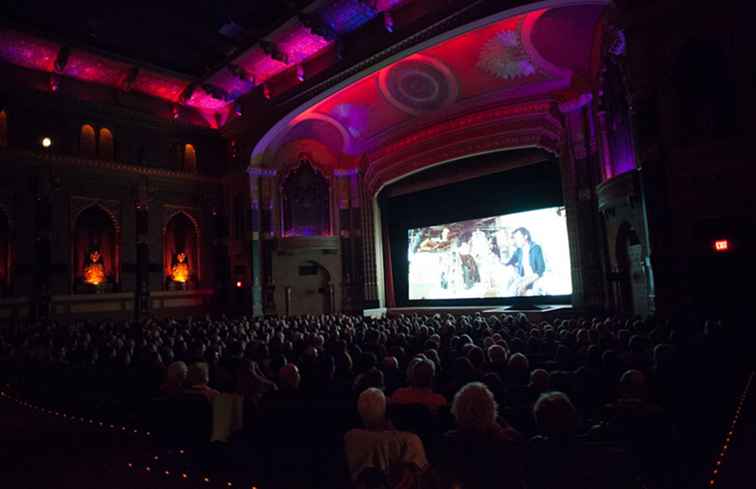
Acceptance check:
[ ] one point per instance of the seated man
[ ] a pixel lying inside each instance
(421, 390)
(197, 380)
(378, 445)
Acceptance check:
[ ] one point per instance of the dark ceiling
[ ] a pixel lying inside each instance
(184, 37)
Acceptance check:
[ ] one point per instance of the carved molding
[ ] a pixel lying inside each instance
(527, 125)
(170, 211)
(71, 161)
(111, 207)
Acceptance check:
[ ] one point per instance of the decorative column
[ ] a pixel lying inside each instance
(142, 288)
(580, 175)
(42, 243)
(261, 183)
(370, 276)
(348, 201)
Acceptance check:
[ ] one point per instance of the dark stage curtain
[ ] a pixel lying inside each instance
(388, 272)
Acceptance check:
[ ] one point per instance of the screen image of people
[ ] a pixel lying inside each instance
(513, 255)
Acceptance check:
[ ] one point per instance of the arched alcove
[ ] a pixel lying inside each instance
(95, 251)
(105, 149)
(5, 254)
(181, 252)
(190, 159)
(312, 291)
(306, 201)
(87, 141)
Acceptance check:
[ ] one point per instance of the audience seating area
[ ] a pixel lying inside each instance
(436, 401)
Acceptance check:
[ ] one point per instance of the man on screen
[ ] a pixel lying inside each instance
(527, 261)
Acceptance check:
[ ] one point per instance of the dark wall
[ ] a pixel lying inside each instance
(520, 189)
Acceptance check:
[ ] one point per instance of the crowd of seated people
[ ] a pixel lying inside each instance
(416, 400)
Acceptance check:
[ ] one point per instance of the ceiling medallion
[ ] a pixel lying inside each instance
(419, 84)
(504, 57)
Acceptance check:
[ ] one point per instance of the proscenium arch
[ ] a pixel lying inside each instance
(258, 155)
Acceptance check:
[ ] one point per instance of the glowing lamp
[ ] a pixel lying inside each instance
(722, 245)
(46, 142)
(266, 92)
(300, 73)
(239, 284)
(180, 271)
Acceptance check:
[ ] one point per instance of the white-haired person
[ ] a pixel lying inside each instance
(378, 446)
(483, 451)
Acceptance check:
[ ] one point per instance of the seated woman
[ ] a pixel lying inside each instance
(197, 380)
(481, 452)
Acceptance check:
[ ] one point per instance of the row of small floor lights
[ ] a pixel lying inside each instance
(730, 434)
(181, 475)
(74, 418)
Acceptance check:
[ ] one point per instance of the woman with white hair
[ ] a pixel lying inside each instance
(482, 452)
(379, 446)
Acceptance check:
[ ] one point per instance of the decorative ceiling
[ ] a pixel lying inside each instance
(490, 63)
(171, 52)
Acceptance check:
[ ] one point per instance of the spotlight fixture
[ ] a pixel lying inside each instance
(54, 82)
(238, 109)
(388, 21)
(300, 73)
(174, 112)
(266, 91)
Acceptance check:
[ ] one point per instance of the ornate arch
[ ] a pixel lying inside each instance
(79, 206)
(533, 124)
(85, 204)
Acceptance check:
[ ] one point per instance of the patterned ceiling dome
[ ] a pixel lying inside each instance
(418, 85)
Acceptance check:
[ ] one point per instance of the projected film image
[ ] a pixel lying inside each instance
(514, 255)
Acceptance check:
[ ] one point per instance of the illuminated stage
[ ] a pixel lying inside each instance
(544, 312)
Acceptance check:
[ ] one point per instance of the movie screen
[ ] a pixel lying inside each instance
(513, 255)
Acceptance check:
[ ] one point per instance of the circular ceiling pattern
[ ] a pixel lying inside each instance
(418, 85)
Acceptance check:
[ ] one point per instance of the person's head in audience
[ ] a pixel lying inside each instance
(663, 357)
(371, 404)
(390, 364)
(632, 385)
(539, 380)
(555, 415)
(497, 356)
(422, 375)
(288, 377)
(475, 408)
(198, 375)
(175, 375)
(518, 368)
